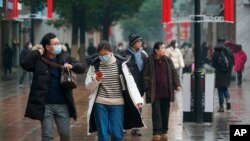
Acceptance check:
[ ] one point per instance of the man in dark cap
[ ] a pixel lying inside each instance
(136, 64)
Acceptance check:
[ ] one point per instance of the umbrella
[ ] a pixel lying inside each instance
(234, 47)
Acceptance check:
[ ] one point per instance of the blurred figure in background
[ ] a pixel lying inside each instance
(68, 48)
(175, 54)
(26, 49)
(223, 62)
(240, 58)
(91, 49)
(188, 56)
(7, 61)
(120, 48)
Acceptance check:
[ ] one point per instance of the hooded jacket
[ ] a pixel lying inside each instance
(222, 78)
(39, 88)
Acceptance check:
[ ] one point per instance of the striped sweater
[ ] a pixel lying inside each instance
(110, 92)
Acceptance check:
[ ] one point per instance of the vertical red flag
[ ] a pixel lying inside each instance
(166, 10)
(229, 10)
(50, 8)
(15, 8)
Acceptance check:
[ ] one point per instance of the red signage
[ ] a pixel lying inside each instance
(166, 10)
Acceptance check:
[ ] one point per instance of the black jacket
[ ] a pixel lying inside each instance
(222, 78)
(39, 88)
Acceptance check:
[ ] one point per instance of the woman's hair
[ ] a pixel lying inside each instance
(104, 45)
(172, 43)
(157, 45)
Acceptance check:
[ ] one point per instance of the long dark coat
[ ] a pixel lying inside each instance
(39, 87)
(222, 78)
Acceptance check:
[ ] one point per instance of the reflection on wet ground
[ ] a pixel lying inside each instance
(14, 127)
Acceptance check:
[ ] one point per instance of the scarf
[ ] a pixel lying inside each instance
(138, 60)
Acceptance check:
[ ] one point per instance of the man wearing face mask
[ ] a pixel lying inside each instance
(136, 65)
(48, 101)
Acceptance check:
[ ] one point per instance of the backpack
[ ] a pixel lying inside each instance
(225, 61)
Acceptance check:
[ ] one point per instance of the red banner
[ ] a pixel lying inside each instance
(229, 10)
(166, 10)
(15, 8)
(50, 8)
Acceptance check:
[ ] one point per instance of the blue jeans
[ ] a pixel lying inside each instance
(109, 121)
(223, 92)
(60, 114)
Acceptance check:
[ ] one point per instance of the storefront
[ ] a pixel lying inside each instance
(10, 32)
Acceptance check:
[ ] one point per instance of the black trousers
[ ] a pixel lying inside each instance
(239, 77)
(160, 116)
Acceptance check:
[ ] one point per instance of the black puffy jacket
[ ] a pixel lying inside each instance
(39, 88)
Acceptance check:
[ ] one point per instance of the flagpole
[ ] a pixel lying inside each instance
(198, 111)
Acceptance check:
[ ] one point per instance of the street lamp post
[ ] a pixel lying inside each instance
(198, 112)
(32, 22)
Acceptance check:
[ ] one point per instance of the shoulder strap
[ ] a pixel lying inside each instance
(51, 63)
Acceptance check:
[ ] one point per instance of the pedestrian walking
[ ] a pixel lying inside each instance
(120, 48)
(175, 54)
(68, 48)
(26, 49)
(110, 107)
(240, 58)
(136, 65)
(222, 61)
(48, 100)
(188, 57)
(161, 80)
(7, 61)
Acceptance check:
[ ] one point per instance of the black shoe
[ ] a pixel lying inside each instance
(135, 132)
(228, 106)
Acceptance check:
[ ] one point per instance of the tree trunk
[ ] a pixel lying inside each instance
(106, 29)
(78, 29)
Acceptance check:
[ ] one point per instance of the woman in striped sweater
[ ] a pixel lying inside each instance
(110, 103)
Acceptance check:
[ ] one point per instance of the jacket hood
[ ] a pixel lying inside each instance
(39, 46)
(219, 47)
(91, 60)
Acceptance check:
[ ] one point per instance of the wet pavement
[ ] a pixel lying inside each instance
(14, 127)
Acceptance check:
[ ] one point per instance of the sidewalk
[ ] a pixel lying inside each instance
(14, 127)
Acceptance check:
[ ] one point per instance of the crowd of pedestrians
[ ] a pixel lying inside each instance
(118, 79)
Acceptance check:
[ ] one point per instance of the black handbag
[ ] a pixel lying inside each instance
(68, 77)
